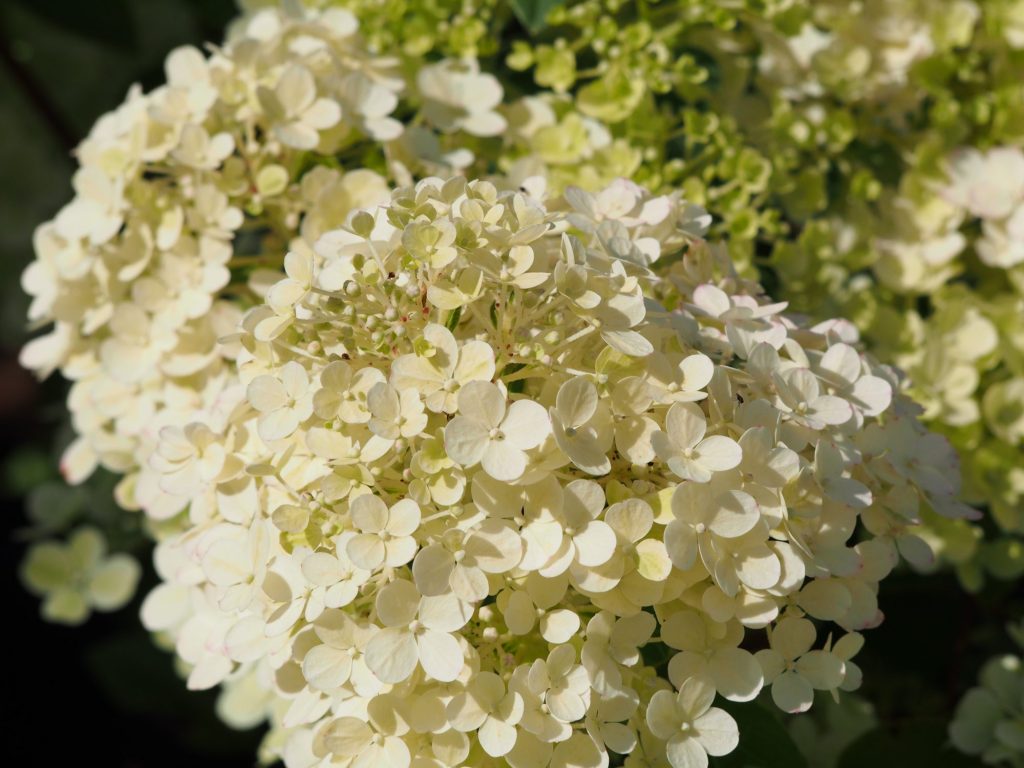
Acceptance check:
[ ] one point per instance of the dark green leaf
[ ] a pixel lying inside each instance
(453, 319)
(109, 22)
(534, 13)
(764, 740)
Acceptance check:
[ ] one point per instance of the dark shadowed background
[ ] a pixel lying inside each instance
(104, 692)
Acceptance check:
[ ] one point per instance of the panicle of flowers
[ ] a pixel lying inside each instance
(187, 196)
(489, 459)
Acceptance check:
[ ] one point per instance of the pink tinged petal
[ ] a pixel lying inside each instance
(717, 732)
(792, 693)
(440, 655)
(527, 424)
(391, 655)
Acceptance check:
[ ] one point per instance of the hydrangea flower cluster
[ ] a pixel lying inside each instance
(819, 135)
(481, 464)
(522, 470)
(186, 196)
(965, 360)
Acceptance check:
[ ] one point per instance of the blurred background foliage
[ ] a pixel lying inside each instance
(105, 690)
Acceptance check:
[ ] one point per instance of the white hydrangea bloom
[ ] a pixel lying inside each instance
(469, 455)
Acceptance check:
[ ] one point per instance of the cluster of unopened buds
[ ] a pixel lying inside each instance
(483, 472)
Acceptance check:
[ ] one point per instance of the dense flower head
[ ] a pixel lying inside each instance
(820, 136)
(485, 456)
(522, 470)
(186, 193)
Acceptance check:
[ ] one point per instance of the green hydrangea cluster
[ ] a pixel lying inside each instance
(821, 137)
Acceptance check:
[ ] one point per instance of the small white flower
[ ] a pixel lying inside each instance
(298, 112)
(485, 433)
(385, 538)
(583, 426)
(685, 449)
(283, 403)
(692, 728)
